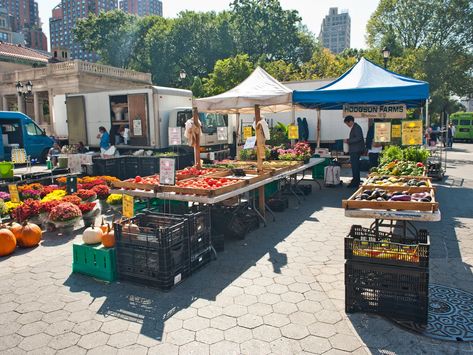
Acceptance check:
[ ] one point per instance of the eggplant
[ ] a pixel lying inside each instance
(364, 196)
(426, 199)
(401, 198)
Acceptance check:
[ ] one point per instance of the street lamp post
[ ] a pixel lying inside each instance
(386, 54)
(182, 77)
(24, 90)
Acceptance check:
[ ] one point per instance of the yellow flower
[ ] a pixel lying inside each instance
(10, 206)
(54, 196)
(114, 199)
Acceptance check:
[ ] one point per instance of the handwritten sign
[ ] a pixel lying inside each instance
(137, 128)
(14, 195)
(128, 206)
(175, 137)
(167, 171)
(396, 131)
(293, 131)
(222, 133)
(382, 132)
(375, 111)
(412, 132)
(247, 132)
(250, 143)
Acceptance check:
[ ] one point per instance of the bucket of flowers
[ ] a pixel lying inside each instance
(89, 211)
(31, 194)
(102, 191)
(5, 196)
(86, 195)
(45, 208)
(115, 201)
(300, 152)
(65, 215)
(28, 211)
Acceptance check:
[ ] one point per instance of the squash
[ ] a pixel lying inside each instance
(15, 228)
(104, 226)
(108, 239)
(7, 242)
(92, 235)
(30, 235)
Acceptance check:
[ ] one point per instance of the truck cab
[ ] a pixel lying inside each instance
(20, 131)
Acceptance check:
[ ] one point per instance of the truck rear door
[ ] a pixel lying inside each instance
(76, 119)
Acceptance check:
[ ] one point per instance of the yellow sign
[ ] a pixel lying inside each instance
(293, 131)
(247, 132)
(14, 195)
(382, 132)
(412, 132)
(128, 206)
(396, 131)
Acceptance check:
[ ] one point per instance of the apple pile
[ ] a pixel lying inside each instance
(193, 171)
(207, 183)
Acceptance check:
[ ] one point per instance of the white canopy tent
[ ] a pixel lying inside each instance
(259, 88)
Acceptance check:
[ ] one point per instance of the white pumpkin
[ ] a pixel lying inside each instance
(92, 235)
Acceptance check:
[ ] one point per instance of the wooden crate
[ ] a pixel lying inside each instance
(129, 185)
(351, 203)
(203, 192)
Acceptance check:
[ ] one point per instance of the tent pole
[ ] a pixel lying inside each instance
(318, 127)
(427, 118)
(195, 115)
(293, 122)
(260, 150)
(238, 133)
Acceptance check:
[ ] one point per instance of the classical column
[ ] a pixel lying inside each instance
(21, 103)
(37, 116)
(4, 103)
(52, 119)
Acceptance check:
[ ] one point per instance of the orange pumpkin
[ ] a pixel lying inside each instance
(7, 242)
(108, 239)
(30, 235)
(16, 228)
(104, 226)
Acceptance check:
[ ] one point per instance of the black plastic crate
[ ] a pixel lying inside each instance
(398, 292)
(200, 243)
(155, 231)
(278, 204)
(367, 245)
(148, 166)
(107, 166)
(200, 259)
(132, 167)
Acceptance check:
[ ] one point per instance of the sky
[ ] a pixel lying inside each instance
(311, 11)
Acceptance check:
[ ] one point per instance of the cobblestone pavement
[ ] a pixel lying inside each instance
(281, 291)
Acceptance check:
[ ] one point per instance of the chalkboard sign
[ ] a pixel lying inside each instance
(71, 185)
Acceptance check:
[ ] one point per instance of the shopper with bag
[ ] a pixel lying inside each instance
(104, 139)
(356, 147)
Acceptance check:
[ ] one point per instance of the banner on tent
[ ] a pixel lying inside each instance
(375, 111)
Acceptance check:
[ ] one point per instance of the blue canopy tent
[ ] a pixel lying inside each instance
(364, 83)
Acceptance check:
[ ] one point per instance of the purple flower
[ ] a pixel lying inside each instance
(4, 195)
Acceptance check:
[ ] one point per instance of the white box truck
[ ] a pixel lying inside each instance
(143, 115)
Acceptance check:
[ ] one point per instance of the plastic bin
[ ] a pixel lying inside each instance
(148, 166)
(319, 169)
(132, 167)
(201, 259)
(6, 169)
(94, 260)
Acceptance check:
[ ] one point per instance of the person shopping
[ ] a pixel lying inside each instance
(356, 147)
(104, 139)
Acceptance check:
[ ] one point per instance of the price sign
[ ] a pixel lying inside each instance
(71, 185)
(396, 131)
(14, 195)
(175, 137)
(222, 133)
(293, 131)
(250, 143)
(412, 132)
(382, 132)
(167, 171)
(247, 132)
(128, 206)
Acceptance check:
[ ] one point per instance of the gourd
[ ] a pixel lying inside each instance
(7, 242)
(108, 239)
(92, 235)
(30, 235)
(104, 226)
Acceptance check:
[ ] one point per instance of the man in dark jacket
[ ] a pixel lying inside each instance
(356, 146)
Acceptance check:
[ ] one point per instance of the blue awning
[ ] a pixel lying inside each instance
(365, 83)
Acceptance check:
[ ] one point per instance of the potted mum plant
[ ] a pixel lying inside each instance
(65, 215)
(89, 212)
(86, 195)
(102, 191)
(115, 201)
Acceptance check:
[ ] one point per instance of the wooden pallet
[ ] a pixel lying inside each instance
(351, 203)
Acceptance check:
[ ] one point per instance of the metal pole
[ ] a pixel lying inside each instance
(319, 120)
(427, 118)
(293, 121)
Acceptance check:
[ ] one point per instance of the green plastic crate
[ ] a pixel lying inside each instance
(269, 189)
(95, 260)
(318, 170)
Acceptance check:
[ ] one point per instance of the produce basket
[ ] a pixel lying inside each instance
(398, 292)
(364, 244)
(197, 186)
(414, 183)
(359, 200)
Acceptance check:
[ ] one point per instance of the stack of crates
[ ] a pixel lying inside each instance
(387, 275)
(200, 238)
(153, 249)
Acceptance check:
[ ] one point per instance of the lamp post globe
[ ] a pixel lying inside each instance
(386, 54)
(182, 74)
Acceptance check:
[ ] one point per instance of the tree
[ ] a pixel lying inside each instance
(324, 64)
(281, 70)
(227, 74)
(197, 87)
(112, 35)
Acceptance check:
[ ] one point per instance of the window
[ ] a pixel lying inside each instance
(33, 130)
(182, 117)
(455, 122)
(465, 122)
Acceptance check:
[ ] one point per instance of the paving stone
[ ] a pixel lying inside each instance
(309, 306)
(225, 347)
(73, 350)
(9, 341)
(87, 327)
(235, 310)
(56, 316)
(263, 281)
(260, 309)
(238, 334)
(148, 341)
(35, 342)
(185, 313)
(302, 318)
(276, 319)
(322, 330)
(255, 346)
(196, 323)
(266, 333)
(299, 287)
(294, 331)
(103, 350)
(114, 326)
(315, 344)
(269, 298)
(93, 340)
(328, 316)
(284, 308)
(42, 351)
(133, 350)
(277, 289)
(52, 306)
(164, 349)
(30, 317)
(210, 311)
(64, 341)
(283, 346)
(292, 297)
(194, 348)
(209, 335)
(27, 307)
(255, 290)
(250, 321)
(345, 342)
(81, 316)
(246, 300)
(122, 339)
(8, 317)
(32, 328)
(173, 324)
(60, 327)
(223, 322)
(180, 337)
